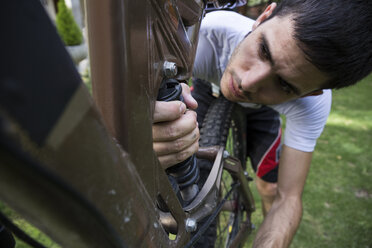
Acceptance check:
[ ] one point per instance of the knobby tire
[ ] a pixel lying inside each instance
(224, 125)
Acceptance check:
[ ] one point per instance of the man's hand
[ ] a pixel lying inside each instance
(175, 129)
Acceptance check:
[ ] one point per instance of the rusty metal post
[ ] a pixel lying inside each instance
(129, 43)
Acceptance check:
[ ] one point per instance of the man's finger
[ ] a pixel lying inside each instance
(167, 161)
(178, 145)
(191, 103)
(168, 131)
(168, 111)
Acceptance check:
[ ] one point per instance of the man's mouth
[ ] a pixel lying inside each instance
(234, 90)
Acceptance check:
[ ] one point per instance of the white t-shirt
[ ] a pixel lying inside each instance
(220, 33)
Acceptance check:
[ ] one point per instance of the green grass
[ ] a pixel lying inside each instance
(337, 199)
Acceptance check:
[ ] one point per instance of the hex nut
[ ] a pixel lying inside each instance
(170, 69)
(191, 225)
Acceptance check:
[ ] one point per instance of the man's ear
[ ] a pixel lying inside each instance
(314, 93)
(267, 12)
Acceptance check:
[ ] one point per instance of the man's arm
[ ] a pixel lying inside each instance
(283, 219)
(175, 130)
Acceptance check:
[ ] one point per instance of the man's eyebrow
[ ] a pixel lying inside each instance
(266, 46)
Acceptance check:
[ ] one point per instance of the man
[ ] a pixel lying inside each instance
(295, 52)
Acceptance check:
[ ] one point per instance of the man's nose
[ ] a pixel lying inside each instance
(254, 78)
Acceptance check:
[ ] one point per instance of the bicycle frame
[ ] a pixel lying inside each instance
(105, 188)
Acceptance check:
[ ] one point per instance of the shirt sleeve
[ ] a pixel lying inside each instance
(305, 120)
(206, 60)
(219, 34)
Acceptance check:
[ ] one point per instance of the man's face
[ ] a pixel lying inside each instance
(268, 67)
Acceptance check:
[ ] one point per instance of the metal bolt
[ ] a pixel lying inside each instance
(191, 225)
(170, 69)
(226, 154)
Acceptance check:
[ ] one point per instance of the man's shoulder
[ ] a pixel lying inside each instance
(227, 19)
(220, 33)
(305, 120)
(306, 106)
(228, 14)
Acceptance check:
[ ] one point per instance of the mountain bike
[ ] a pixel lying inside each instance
(84, 171)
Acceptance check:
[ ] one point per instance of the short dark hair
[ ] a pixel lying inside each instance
(335, 35)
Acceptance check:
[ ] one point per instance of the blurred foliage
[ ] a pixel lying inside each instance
(67, 27)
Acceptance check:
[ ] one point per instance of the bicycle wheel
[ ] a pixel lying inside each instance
(224, 126)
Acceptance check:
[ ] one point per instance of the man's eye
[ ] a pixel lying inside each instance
(264, 52)
(285, 87)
